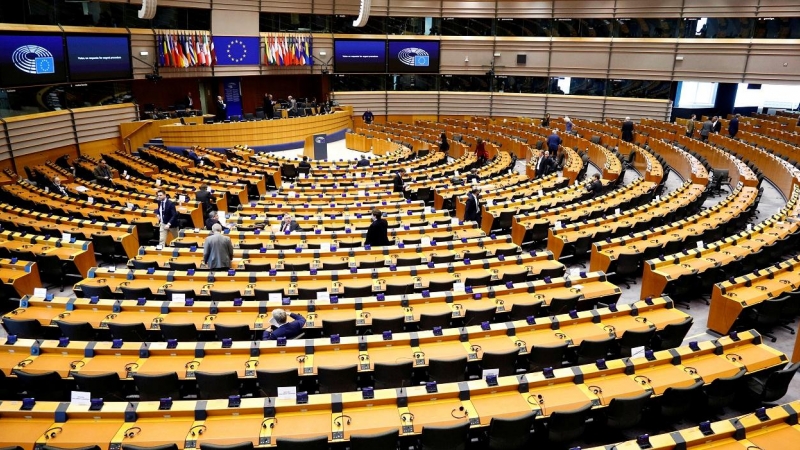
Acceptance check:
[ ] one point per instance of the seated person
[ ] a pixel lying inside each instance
(304, 162)
(289, 224)
(595, 186)
(279, 327)
(212, 219)
(363, 162)
(473, 176)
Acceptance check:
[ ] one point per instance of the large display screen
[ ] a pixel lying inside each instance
(413, 57)
(93, 58)
(31, 59)
(359, 56)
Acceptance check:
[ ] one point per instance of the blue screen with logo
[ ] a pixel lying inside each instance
(31, 60)
(93, 58)
(413, 56)
(359, 56)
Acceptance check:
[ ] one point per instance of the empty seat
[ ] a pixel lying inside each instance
(447, 370)
(153, 387)
(269, 381)
(337, 379)
(23, 328)
(392, 375)
(235, 332)
(217, 385)
(445, 438)
(77, 331)
(135, 332)
(183, 332)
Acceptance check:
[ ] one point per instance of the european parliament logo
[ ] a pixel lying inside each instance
(33, 59)
(415, 57)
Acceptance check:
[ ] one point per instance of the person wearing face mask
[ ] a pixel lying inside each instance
(377, 233)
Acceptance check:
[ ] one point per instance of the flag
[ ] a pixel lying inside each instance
(201, 52)
(160, 49)
(213, 53)
(309, 56)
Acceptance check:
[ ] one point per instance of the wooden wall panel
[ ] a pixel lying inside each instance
(236, 71)
(639, 9)
(362, 101)
(5, 151)
(711, 60)
(455, 49)
(143, 40)
(523, 9)
(40, 132)
(588, 108)
(467, 8)
(578, 57)
(642, 59)
(287, 6)
(351, 7)
(536, 50)
(412, 8)
(518, 105)
(636, 108)
(413, 103)
(463, 103)
(778, 8)
(720, 8)
(773, 61)
(236, 5)
(583, 8)
(102, 122)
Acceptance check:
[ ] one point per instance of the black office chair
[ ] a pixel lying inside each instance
(565, 426)
(447, 370)
(505, 361)
(238, 446)
(23, 328)
(235, 332)
(77, 331)
(337, 379)
(442, 259)
(257, 267)
(541, 356)
(249, 245)
(105, 385)
(672, 335)
(184, 244)
(722, 391)
(53, 271)
(766, 315)
(129, 293)
(628, 267)
(144, 265)
(591, 350)
(269, 381)
(53, 447)
(45, 386)
(771, 387)
(399, 289)
(478, 281)
(631, 339)
(429, 321)
(217, 385)
(309, 293)
(510, 434)
(341, 327)
(147, 233)
(224, 296)
(625, 412)
(521, 311)
(409, 262)
(477, 316)
(357, 291)
(440, 286)
(312, 443)
(183, 332)
(554, 272)
(393, 324)
(387, 440)
(563, 305)
(392, 375)
(263, 294)
(181, 266)
(301, 267)
(95, 291)
(107, 249)
(135, 332)
(452, 437)
(153, 387)
(677, 402)
(514, 277)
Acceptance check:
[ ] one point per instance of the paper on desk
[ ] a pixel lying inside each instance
(287, 392)
(81, 188)
(81, 398)
(129, 205)
(40, 292)
(324, 295)
(458, 287)
(275, 297)
(66, 237)
(178, 297)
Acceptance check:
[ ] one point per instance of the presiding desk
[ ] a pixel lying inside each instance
(265, 421)
(591, 289)
(258, 133)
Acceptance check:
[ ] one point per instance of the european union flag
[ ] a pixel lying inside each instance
(45, 65)
(422, 61)
(237, 51)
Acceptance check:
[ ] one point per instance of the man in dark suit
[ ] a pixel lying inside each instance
(553, 141)
(368, 117)
(733, 126)
(377, 233)
(304, 163)
(363, 162)
(269, 111)
(222, 110)
(627, 130)
(716, 124)
(595, 186)
(397, 181)
(59, 188)
(473, 206)
(289, 330)
(545, 165)
(205, 199)
(473, 176)
(101, 172)
(213, 218)
(706, 129)
(167, 217)
(288, 224)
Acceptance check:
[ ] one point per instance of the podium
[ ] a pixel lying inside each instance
(316, 147)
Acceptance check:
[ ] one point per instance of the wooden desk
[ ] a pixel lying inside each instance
(80, 253)
(23, 275)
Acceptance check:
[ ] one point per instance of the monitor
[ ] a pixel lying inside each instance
(413, 56)
(359, 56)
(99, 57)
(32, 59)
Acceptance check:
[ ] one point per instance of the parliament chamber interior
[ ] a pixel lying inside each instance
(399, 225)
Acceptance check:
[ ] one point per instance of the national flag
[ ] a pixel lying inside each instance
(201, 52)
(176, 54)
(169, 53)
(160, 49)
(213, 53)
(309, 56)
(188, 51)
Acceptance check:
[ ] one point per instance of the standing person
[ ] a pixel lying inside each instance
(545, 165)
(217, 250)
(102, 173)
(292, 106)
(288, 224)
(733, 126)
(444, 146)
(690, 126)
(377, 233)
(553, 141)
(397, 181)
(269, 111)
(167, 217)
(205, 199)
(222, 110)
(368, 117)
(595, 186)
(473, 206)
(188, 101)
(708, 126)
(289, 330)
(480, 152)
(716, 124)
(60, 189)
(568, 124)
(546, 120)
(627, 130)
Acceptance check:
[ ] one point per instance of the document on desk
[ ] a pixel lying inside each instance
(287, 392)
(80, 398)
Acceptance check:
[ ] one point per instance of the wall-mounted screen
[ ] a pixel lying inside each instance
(93, 58)
(413, 57)
(32, 59)
(359, 56)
